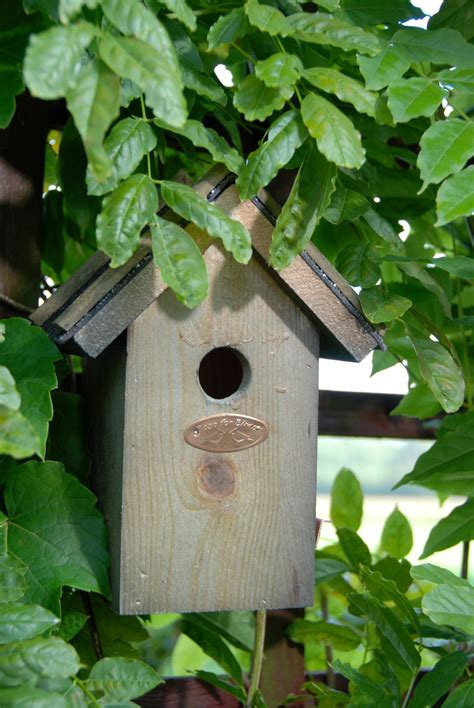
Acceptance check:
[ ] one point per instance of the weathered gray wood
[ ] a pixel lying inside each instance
(105, 382)
(210, 531)
(87, 272)
(101, 310)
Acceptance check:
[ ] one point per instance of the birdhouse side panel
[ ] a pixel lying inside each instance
(219, 511)
(105, 383)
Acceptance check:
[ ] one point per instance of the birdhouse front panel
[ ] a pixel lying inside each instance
(217, 479)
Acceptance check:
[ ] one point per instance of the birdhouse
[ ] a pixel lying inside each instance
(204, 421)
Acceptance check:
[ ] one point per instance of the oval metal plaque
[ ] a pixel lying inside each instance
(226, 432)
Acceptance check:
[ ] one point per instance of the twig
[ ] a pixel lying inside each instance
(465, 560)
(257, 655)
(16, 305)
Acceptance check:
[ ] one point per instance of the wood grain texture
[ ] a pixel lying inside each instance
(113, 317)
(68, 290)
(205, 531)
(105, 389)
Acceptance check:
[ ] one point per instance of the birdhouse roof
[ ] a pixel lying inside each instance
(98, 303)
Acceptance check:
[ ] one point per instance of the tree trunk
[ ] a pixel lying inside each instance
(22, 147)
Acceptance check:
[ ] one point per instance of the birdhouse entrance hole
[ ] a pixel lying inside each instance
(222, 371)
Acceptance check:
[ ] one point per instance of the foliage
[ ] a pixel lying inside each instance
(388, 616)
(374, 119)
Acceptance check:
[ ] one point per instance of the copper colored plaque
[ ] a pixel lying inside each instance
(226, 432)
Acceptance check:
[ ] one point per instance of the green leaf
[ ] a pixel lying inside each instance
(187, 203)
(328, 569)
(11, 84)
(444, 149)
(124, 214)
(419, 402)
(215, 144)
(214, 680)
(458, 526)
(441, 373)
(28, 662)
(128, 142)
(280, 69)
(94, 102)
(131, 17)
(461, 697)
(372, 689)
(70, 8)
(347, 501)
(435, 683)
(397, 643)
(398, 571)
(18, 438)
(228, 28)
(152, 70)
(415, 270)
(9, 396)
(355, 550)
(410, 98)
(18, 621)
(180, 261)
(453, 606)
(459, 79)
(443, 46)
(237, 628)
(461, 266)
(119, 634)
(337, 635)
(384, 68)
(453, 423)
(29, 355)
(438, 576)
(302, 211)
(200, 82)
(379, 305)
(29, 696)
(322, 28)
(257, 101)
(455, 198)
(330, 5)
(386, 590)
(335, 134)
(12, 573)
(55, 529)
(183, 12)
(342, 86)
(53, 59)
(286, 134)
(215, 647)
(378, 12)
(120, 679)
(384, 229)
(267, 19)
(71, 624)
(397, 536)
(357, 264)
(345, 205)
(448, 466)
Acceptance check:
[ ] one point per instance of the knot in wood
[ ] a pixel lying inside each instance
(216, 477)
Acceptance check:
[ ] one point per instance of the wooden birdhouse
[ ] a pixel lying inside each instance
(205, 421)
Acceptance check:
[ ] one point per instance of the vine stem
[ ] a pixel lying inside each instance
(257, 656)
(148, 160)
(410, 689)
